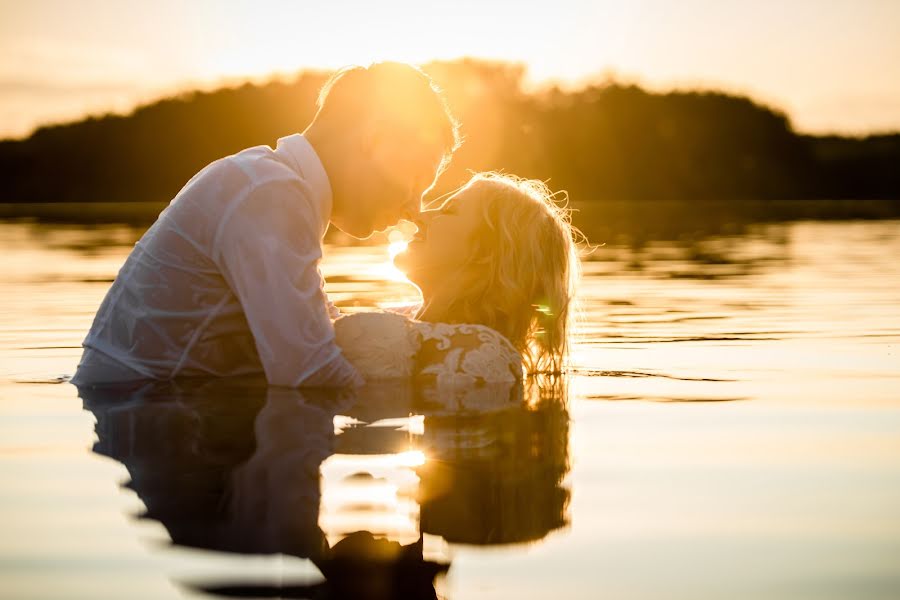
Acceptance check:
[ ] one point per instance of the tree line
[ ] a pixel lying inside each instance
(607, 141)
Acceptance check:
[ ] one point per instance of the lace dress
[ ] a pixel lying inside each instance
(386, 346)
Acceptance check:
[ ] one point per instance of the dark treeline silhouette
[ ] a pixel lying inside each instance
(603, 142)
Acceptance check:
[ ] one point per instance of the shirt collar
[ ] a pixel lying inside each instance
(296, 151)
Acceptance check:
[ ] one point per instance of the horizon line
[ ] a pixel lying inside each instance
(531, 86)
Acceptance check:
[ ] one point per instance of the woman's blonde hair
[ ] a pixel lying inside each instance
(520, 274)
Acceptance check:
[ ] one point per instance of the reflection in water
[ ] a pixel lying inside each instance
(494, 474)
(355, 481)
(792, 493)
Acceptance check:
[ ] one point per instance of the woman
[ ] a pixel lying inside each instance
(496, 265)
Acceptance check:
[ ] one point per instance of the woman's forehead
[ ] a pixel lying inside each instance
(447, 201)
(468, 196)
(465, 200)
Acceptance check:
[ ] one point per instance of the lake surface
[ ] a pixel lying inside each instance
(731, 428)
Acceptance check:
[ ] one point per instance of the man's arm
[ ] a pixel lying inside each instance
(268, 250)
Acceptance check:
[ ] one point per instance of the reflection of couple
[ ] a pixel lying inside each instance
(226, 282)
(238, 468)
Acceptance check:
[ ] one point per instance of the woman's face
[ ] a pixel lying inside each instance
(442, 244)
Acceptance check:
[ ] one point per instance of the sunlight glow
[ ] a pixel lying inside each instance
(96, 56)
(411, 458)
(414, 424)
(398, 242)
(395, 248)
(376, 493)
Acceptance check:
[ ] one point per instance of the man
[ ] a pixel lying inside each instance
(226, 282)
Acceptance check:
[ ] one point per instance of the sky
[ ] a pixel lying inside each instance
(831, 65)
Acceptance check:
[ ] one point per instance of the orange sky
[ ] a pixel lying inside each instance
(832, 65)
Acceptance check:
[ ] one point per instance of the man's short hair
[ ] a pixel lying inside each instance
(401, 95)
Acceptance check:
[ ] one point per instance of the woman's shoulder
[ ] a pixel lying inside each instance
(388, 345)
(381, 320)
(378, 344)
(465, 352)
(443, 334)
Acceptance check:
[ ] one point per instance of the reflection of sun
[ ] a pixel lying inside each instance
(397, 244)
(410, 458)
(371, 492)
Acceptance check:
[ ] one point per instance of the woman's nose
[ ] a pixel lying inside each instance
(424, 218)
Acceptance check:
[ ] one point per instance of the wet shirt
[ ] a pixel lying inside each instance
(226, 282)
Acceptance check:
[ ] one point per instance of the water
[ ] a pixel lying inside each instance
(731, 428)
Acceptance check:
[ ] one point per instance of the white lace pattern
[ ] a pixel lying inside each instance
(383, 346)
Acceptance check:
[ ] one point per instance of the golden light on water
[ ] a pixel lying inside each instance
(380, 493)
(371, 492)
(397, 243)
(798, 326)
(749, 379)
(411, 458)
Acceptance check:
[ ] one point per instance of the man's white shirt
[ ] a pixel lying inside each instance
(226, 282)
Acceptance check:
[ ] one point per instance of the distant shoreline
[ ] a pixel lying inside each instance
(132, 213)
(585, 214)
(606, 142)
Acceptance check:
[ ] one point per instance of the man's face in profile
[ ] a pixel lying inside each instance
(390, 183)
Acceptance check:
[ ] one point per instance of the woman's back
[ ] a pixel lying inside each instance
(386, 345)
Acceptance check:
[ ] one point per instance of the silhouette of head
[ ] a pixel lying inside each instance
(499, 252)
(384, 133)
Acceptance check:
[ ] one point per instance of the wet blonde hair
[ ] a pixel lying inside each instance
(520, 273)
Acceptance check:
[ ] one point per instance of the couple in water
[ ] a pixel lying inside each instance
(226, 282)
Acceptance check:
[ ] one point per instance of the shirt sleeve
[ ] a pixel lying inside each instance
(268, 250)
